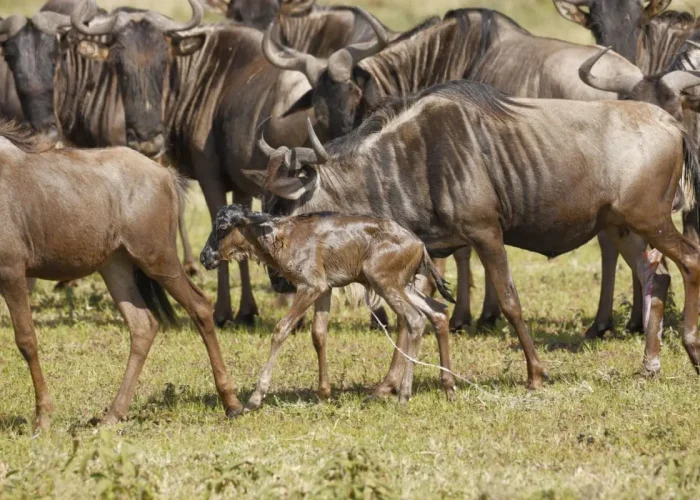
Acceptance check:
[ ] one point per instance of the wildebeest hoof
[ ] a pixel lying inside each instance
(235, 411)
(633, 326)
(597, 330)
(254, 402)
(537, 382)
(324, 394)
(245, 319)
(109, 419)
(460, 324)
(221, 319)
(41, 424)
(451, 394)
(404, 399)
(650, 368)
(487, 322)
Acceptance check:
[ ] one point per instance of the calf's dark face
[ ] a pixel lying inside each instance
(32, 55)
(225, 243)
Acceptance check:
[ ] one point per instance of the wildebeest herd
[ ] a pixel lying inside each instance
(373, 152)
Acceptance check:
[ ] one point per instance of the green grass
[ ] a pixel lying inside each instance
(598, 430)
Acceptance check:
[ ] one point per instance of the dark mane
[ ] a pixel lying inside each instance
(675, 17)
(488, 14)
(427, 23)
(488, 100)
(23, 137)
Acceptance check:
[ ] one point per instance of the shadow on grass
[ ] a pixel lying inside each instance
(16, 424)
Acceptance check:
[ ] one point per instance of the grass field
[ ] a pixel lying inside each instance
(597, 431)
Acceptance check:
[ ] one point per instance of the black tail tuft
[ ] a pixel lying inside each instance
(155, 298)
(440, 282)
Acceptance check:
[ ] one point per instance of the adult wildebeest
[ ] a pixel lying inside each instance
(476, 44)
(320, 251)
(69, 213)
(653, 38)
(195, 81)
(461, 165)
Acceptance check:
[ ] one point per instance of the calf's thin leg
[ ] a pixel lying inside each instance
(489, 246)
(319, 331)
(303, 300)
(118, 275)
(436, 314)
(461, 317)
(392, 380)
(16, 293)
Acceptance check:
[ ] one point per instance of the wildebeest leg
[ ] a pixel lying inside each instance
(118, 275)
(215, 196)
(489, 246)
(173, 278)
(415, 324)
(462, 316)
(490, 312)
(247, 309)
(603, 321)
(188, 260)
(304, 298)
(654, 279)
(16, 293)
(437, 315)
(319, 332)
(664, 236)
(392, 380)
(691, 223)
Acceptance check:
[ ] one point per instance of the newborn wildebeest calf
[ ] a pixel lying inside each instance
(69, 213)
(317, 252)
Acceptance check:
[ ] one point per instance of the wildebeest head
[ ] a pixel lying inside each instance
(290, 173)
(664, 90)
(139, 46)
(613, 22)
(338, 83)
(32, 48)
(226, 241)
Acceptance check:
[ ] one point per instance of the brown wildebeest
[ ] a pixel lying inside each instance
(69, 213)
(317, 252)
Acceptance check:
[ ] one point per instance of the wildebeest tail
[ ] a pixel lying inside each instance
(690, 178)
(155, 298)
(440, 282)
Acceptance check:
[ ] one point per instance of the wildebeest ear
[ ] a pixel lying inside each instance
(257, 177)
(93, 50)
(655, 8)
(572, 12)
(691, 102)
(302, 104)
(187, 45)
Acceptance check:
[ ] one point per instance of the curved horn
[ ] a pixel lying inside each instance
(678, 81)
(11, 25)
(167, 25)
(84, 13)
(321, 153)
(340, 63)
(620, 84)
(49, 22)
(220, 6)
(296, 8)
(306, 63)
(265, 147)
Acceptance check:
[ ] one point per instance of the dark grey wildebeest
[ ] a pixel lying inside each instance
(207, 91)
(259, 13)
(68, 213)
(461, 165)
(480, 45)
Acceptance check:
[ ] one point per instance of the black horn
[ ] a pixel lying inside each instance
(340, 64)
(167, 25)
(86, 12)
